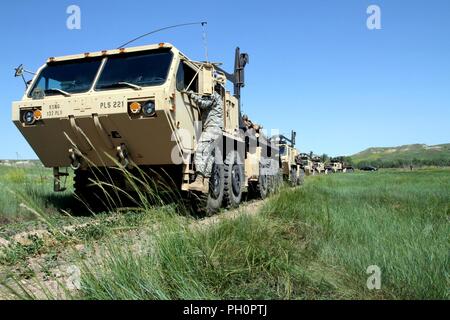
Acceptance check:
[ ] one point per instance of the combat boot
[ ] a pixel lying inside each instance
(198, 184)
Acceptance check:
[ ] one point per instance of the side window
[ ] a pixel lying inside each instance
(185, 74)
(180, 77)
(49, 83)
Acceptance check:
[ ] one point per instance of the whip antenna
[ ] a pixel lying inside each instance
(205, 40)
(161, 29)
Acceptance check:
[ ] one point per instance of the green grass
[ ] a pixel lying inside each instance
(396, 220)
(31, 185)
(315, 242)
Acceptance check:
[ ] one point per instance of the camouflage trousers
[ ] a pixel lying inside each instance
(206, 151)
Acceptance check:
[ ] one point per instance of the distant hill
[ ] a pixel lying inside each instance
(20, 163)
(416, 154)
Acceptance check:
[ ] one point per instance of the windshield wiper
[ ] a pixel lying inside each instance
(64, 93)
(121, 84)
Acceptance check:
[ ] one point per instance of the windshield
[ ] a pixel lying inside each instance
(283, 150)
(73, 76)
(141, 69)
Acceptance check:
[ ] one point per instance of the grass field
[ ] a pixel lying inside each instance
(313, 242)
(33, 185)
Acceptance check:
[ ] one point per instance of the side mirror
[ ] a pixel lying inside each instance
(206, 80)
(18, 71)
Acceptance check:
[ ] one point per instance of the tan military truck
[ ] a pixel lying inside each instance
(291, 169)
(336, 165)
(329, 168)
(305, 163)
(128, 108)
(318, 164)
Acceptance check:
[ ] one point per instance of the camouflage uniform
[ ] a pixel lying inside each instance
(212, 120)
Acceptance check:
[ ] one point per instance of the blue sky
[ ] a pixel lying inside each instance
(314, 65)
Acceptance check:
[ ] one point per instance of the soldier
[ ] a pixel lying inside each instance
(211, 107)
(247, 122)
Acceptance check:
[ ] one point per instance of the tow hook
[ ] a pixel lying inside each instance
(75, 158)
(122, 155)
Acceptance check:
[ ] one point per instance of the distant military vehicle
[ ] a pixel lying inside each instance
(306, 164)
(348, 168)
(291, 169)
(318, 164)
(128, 108)
(337, 164)
(328, 168)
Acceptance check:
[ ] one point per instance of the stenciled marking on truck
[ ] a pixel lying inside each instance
(111, 104)
(54, 110)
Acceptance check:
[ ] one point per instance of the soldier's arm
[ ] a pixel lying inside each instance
(203, 102)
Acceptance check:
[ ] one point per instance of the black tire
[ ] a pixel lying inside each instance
(83, 186)
(262, 186)
(87, 191)
(293, 179)
(233, 180)
(80, 183)
(274, 184)
(213, 200)
(98, 189)
(301, 178)
(279, 181)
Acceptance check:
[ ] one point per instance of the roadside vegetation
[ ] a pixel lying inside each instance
(312, 242)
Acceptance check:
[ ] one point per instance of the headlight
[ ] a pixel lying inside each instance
(28, 117)
(149, 109)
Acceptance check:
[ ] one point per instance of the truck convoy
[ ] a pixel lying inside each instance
(123, 110)
(128, 108)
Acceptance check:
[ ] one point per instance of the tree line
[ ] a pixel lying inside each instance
(402, 163)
